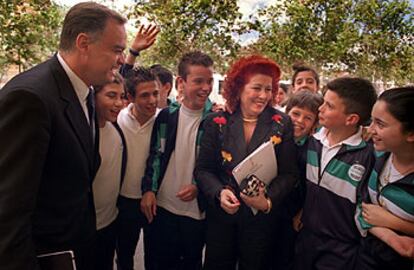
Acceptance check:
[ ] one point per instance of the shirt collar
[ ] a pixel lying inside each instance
(80, 87)
(133, 118)
(301, 141)
(353, 140)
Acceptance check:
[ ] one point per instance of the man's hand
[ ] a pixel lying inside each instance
(188, 193)
(229, 202)
(145, 37)
(149, 205)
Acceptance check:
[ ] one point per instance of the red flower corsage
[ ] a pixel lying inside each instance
(277, 118)
(220, 120)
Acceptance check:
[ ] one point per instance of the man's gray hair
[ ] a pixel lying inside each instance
(86, 17)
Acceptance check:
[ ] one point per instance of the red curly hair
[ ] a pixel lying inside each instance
(240, 73)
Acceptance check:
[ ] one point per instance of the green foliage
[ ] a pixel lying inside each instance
(191, 25)
(371, 38)
(29, 32)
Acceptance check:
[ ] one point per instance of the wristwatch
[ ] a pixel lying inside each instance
(133, 52)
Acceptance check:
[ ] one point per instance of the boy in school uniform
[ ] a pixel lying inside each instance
(302, 109)
(338, 160)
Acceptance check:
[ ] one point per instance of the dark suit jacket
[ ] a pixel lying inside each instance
(213, 174)
(47, 164)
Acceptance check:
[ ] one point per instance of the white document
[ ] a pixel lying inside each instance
(261, 162)
(61, 260)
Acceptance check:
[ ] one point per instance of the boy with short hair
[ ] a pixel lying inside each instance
(338, 160)
(170, 195)
(136, 121)
(302, 109)
(108, 179)
(165, 77)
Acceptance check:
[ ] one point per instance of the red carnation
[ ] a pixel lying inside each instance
(220, 120)
(277, 118)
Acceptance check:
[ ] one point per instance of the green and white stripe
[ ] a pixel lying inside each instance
(335, 178)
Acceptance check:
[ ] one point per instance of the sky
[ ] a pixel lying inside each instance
(246, 7)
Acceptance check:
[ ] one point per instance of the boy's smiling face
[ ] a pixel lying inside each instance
(303, 120)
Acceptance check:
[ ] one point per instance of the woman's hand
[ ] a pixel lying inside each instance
(229, 202)
(376, 215)
(258, 202)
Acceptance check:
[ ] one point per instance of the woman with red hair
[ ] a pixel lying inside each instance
(240, 218)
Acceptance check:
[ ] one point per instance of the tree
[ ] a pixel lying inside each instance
(385, 48)
(29, 32)
(371, 38)
(205, 25)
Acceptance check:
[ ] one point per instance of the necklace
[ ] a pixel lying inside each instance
(392, 174)
(249, 120)
(386, 178)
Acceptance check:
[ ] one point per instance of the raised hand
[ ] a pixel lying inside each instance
(145, 37)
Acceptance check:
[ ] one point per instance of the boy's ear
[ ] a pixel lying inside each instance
(166, 87)
(410, 137)
(314, 128)
(352, 119)
(179, 83)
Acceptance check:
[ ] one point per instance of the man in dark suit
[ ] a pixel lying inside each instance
(48, 157)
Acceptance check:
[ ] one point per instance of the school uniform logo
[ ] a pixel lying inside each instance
(356, 171)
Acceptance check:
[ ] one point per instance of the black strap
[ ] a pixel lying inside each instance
(124, 153)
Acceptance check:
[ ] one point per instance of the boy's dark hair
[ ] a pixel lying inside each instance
(117, 79)
(302, 68)
(195, 58)
(163, 74)
(357, 94)
(136, 76)
(284, 87)
(400, 104)
(305, 100)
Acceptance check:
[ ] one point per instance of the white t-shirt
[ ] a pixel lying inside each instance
(181, 166)
(138, 138)
(389, 174)
(108, 178)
